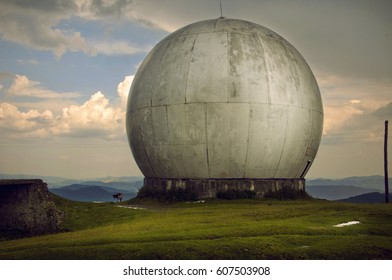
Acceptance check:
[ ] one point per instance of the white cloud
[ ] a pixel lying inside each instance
(29, 61)
(27, 124)
(336, 117)
(123, 90)
(137, 11)
(172, 15)
(348, 100)
(95, 117)
(116, 48)
(37, 25)
(93, 9)
(64, 157)
(23, 86)
(355, 101)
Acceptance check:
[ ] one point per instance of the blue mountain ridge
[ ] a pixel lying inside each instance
(101, 189)
(374, 197)
(90, 193)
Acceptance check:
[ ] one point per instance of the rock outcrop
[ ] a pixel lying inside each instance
(26, 206)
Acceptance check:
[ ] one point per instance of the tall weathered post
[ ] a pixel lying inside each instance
(386, 163)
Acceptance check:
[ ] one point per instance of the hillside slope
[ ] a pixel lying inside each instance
(245, 229)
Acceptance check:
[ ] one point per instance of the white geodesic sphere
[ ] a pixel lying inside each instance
(224, 98)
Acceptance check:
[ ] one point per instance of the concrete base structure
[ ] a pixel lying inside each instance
(209, 188)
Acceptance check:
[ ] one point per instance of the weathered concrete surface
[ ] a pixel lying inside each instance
(28, 207)
(209, 188)
(224, 98)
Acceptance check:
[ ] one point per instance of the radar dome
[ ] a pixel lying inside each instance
(224, 98)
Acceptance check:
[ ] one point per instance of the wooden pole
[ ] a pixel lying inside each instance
(386, 163)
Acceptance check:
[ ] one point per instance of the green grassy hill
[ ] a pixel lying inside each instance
(216, 229)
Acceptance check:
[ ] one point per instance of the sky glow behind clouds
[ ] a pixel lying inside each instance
(66, 67)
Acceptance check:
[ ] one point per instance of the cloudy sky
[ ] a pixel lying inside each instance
(66, 67)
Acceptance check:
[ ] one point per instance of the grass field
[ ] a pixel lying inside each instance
(216, 229)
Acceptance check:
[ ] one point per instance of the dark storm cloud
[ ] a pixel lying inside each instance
(353, 38)
(384, 112)
(100, 7)
(43, 5)
(350, 38)
(36, 25)
(33, 24)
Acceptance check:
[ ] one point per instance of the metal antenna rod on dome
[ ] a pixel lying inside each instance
(220, 5)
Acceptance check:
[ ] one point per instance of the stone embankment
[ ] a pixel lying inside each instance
(26, 206)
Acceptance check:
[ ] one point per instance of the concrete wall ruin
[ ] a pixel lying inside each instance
(27, 206)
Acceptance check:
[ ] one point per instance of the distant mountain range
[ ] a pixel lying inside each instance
(79, 192)
(57, 182)
(335, 192)
(341, 189)
(101, 189)
(374, 197)
(368, 182)
(96, 189)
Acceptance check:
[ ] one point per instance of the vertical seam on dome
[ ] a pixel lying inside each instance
(294, 68)
(247, 141)
(266, 67)
(307, 143)
(189, 64)
(167, 119)
(283, 147)
(206, 125)
(228, 67)
(155, 74)
(145, 151)
(170, 142)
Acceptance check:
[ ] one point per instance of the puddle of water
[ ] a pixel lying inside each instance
(347, 224)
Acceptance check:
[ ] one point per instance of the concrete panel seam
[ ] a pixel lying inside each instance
(247, 142)
(283, 147)
(187, 71)
(266, 67)
(206, 127)
(307, 144)
(147, 156)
